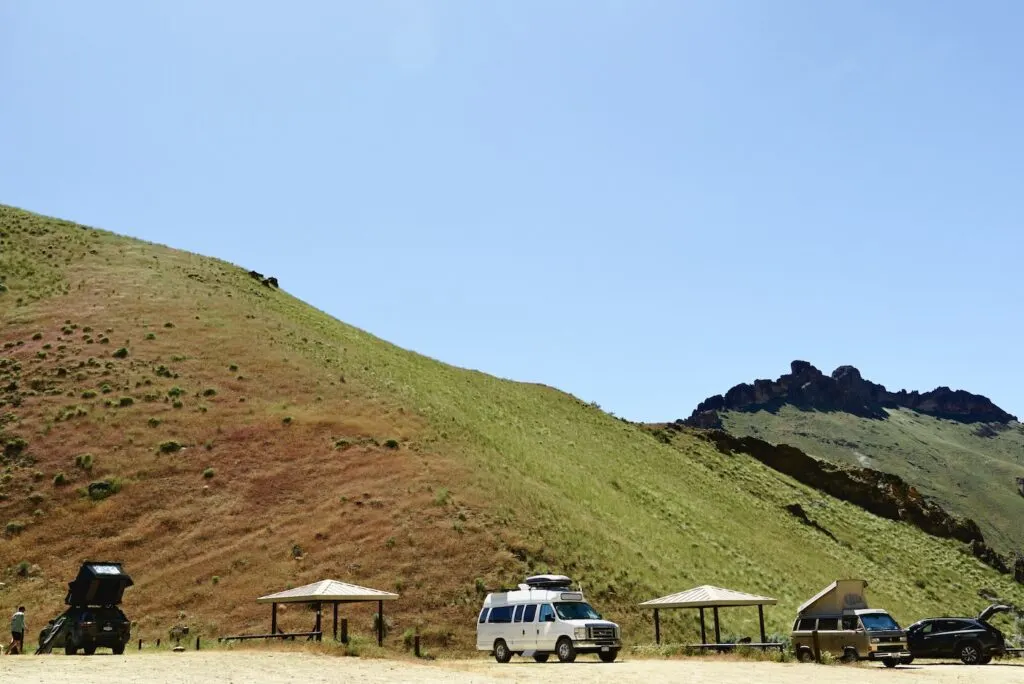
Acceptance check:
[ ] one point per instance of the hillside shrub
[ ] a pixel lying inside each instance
(169, 447)
(102, 489)
(89, 394)
(125, 401)
(287, 420)
(36, 498)
(175, 392)
(209, 392)
(121, 353)
(168, 324)
(15, 527)
(208, 473)
(60, 479)
(150, 336)
(177, 404)
(84, 461)
(391, 444)
(106, 389)
(37, 336)
(153, 422)
(233, 368)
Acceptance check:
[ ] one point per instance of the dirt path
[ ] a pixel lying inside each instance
(240, 667)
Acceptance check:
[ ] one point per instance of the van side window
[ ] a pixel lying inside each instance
(850, 622)
(519, 614)
(546, 612)
(828, 624)
(805, 625)
(501, 614)
(530, 613)
(483, 614)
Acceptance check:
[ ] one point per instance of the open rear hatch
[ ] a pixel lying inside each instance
(994, 609)
(99, 583)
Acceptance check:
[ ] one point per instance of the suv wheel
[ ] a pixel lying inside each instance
(501, 652)
(565, 650)
(70, 648)
(89, 649)
(891, 662)
(118, 650)
(985, 660)
(969, 652)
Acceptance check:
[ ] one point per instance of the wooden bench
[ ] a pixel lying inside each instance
(280, 635)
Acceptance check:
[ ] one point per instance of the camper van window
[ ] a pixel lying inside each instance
(519, 614)
(501, 614)
(850, 622)
(576, 610)
(828, 624)
(483, 614)
(547, 614)
(806, 625)
(531, 612)
(878, 622)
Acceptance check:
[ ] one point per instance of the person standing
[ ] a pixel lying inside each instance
(17, 632)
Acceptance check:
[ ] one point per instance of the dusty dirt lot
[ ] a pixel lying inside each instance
(262, 667)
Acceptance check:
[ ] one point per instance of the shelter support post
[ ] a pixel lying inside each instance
(319, 612)
(760, 620)
(703, 632)
(344, 630)
(336, 621)
(380, 623)
(718, 634)
(657, 627)
(273, 618)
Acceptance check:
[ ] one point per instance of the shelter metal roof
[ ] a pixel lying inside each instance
(328, 590)
(707, 596)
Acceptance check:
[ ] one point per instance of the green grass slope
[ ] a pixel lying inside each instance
(255, 443)
(968, 474)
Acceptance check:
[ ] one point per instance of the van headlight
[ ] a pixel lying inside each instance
(875, 640)
(580, 633)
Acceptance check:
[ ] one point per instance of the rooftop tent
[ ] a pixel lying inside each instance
(99, 583)
(845, 594)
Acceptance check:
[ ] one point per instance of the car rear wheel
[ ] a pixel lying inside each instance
(90, 649)
(501, 652)
(985, 660)
(969, 652)
(565, 650)
(118, 650)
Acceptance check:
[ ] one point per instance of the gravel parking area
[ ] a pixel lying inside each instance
(236, 667)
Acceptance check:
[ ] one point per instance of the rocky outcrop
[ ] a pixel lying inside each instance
(845, 390)
(887, 496)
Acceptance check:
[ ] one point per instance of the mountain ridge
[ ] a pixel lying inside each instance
(846, 390)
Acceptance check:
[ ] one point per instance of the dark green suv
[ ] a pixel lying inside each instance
(93, 618)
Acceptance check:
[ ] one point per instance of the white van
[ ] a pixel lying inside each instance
(544, 616)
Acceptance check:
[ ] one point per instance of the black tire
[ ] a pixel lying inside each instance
(891, 662)
(805, 655)
(90, 649)
(849, 655)
(906, 661)
(985, 660)
(565, 651)
(118, 650)
(70, 648)
(541, 657)
(608, 656)
(969, 652)
(501, 652)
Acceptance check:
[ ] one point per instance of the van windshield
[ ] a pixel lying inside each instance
(576, 610)
(878, 622)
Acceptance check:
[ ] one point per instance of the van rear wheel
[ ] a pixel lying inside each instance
(565, 650)
(501, 652)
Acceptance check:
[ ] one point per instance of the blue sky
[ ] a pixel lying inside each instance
(642, 203)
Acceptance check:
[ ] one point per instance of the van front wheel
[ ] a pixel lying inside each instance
(501, 652)
(565, 650)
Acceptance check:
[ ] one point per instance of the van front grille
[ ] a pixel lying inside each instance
(602, 632)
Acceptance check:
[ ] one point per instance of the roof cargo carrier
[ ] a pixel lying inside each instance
(99, 583)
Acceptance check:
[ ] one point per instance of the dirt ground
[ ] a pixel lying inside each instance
(236, 667)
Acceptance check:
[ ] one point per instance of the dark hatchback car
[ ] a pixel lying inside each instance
(93, 618)
(973, 640)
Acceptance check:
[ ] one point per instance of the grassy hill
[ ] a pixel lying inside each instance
(249, 442)
(968, 473)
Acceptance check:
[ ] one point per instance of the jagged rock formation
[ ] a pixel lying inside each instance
(845, 390)
(885, 495)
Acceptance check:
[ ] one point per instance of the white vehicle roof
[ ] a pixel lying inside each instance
(527, 594)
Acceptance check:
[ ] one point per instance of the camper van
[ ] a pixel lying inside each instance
(544, 615)
(847, 628)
